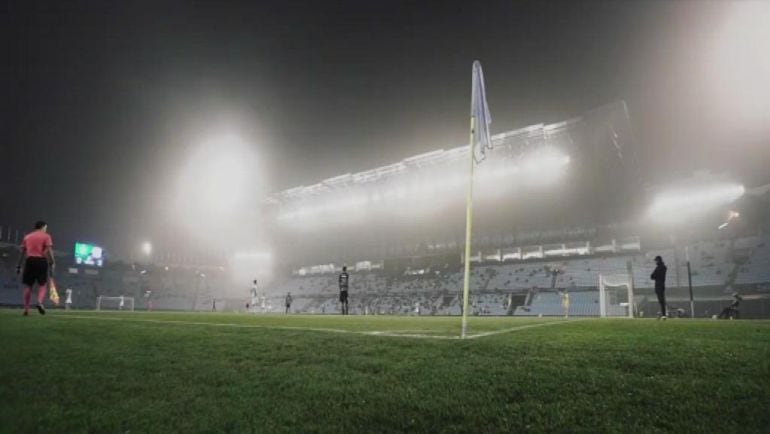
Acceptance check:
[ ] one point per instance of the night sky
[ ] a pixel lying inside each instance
(102, 100)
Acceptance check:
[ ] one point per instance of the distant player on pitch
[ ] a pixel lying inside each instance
(68, 300)
(288, 302)
(38, 264)
(254, 296)
(659, 276)
(122, 302)
(565, 302)
(344, 281)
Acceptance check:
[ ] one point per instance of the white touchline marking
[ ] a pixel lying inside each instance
(386, 333)
(522, 327)
(201, 323)
(396, 334)
(408, 331)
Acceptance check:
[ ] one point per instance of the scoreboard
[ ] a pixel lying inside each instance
(89, 254)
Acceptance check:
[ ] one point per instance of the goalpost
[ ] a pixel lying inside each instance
(114, 303)
(616, 296)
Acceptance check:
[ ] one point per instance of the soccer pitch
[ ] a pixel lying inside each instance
(209, 372)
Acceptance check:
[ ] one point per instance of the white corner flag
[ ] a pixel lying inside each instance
(482, 141)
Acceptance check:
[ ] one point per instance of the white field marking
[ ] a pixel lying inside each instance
(398, 334)
(409, 331)
(521, 327)
(202, 323)
(385, 333)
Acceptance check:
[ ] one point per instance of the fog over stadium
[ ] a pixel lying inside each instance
(182, 125)
(339, 216)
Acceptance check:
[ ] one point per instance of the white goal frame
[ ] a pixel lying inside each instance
(128, 301)
(615, 280)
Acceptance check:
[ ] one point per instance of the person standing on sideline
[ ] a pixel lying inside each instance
(659, 276)
(38, 264)
(288, 302)
(344, 281)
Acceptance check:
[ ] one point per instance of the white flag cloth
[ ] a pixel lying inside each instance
(482, 141)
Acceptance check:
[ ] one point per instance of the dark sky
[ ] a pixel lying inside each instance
(101, 100)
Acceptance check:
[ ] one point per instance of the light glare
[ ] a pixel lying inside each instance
(146, 248)
(680, 205)
(740, 63)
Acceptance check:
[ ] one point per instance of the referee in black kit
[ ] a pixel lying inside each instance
(344, 281)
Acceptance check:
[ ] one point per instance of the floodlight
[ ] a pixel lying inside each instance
(147, 248)
(740, 62)
(731, 215)
(219, 177)
(681, 204)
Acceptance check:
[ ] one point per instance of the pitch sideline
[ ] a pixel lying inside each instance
(383, 333)
(521, 327)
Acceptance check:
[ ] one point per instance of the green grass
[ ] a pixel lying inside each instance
(87, 372)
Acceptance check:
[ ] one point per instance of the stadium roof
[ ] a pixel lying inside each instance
(506, 144)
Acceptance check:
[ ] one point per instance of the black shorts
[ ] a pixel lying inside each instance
(344, 296)
(35, 270)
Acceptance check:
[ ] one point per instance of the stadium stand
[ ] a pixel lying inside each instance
(711, 262)
(756, 268)
(719, 268)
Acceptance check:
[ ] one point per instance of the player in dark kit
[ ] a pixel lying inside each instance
(659, 276)
(343, 281)
(38, 263)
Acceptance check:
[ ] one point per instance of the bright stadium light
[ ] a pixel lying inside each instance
(682, 204)
(543, 166)
(340, 202)
(731, 215)
(426, 194)
(248, 265)
(146, 248)
(545, 159)
(218, 188)
(739, 63)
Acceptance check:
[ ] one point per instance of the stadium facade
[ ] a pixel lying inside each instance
(543, 183)
(558, 206)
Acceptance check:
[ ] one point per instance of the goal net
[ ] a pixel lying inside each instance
(616, 296)
(115, 303)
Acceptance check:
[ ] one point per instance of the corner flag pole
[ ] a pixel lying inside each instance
(468, 231)
(480, 142)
